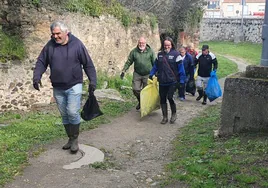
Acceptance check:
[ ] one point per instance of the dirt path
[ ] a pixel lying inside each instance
(139, 149)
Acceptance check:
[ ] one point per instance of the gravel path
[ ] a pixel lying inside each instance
(137, 148)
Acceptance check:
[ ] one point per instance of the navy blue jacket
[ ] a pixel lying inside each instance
(188, 65)
(169, 68)
(65, 62)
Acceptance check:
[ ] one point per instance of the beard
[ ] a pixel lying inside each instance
(142, 48)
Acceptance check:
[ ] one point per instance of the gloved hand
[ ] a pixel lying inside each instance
(151, 77)
(36, 85)
(122, 75)
(91, 89)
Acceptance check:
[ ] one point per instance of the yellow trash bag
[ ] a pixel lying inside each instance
(196, 72)
(150, 99)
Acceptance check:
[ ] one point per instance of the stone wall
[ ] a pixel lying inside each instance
(229, 29)
(107, 41)
(244, 106)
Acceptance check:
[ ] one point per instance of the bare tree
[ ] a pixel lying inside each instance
(172, 15)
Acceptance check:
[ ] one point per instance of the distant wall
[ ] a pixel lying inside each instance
(229, 29)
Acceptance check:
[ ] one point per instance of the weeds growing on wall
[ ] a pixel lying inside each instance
(100, 7)
(36, 3)
(153, 21)
(11, 47)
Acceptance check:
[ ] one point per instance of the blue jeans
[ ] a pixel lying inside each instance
(69, 103)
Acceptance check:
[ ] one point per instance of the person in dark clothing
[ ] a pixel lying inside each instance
(143, 58)
(66, 55)
(205, 60)
(188, 64)
(169, 69)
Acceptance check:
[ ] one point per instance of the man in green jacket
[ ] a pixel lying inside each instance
(143, 58)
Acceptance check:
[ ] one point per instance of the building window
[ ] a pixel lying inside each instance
(230, 8)
(261, 8)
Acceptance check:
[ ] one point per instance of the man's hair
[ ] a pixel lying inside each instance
(63, 27)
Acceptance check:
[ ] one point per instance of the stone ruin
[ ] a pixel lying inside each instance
(16, 90)
(245, 102)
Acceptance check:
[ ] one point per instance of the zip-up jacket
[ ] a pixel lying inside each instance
(188, 65)
(169, 68)
(205, 63)
(143, 60)
(66, 63)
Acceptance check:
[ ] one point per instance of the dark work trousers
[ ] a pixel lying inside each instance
(182, 87)
(181, 90)
(167, 92)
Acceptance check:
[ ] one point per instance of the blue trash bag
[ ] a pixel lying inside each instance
(213, 89)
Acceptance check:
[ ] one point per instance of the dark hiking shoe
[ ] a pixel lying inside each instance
(198, 98)
(164, 120)
(138, 107)
(204, 102)
(173, 118)
(74, 146)
(67, 145)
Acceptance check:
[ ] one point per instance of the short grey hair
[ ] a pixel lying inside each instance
(63, 27)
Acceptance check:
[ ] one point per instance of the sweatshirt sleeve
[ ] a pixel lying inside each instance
(214, 61)
(154, 69)
(181, 70)
(88, 65)
(129, 61)
(41, 64)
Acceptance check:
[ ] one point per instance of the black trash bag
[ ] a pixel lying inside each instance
(91, 109)
(190, 87)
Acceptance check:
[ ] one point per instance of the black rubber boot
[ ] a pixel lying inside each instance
(69, 143)
(137, 94)
(173, 113)
(200, 92)
(165, 113)
(205, 99)
(75, 133)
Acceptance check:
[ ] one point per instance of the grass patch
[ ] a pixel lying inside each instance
(225, 67)
(11, 47)
(250, 52)
(199, 160)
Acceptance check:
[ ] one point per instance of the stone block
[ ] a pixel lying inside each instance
(253, 71)
(245, 103)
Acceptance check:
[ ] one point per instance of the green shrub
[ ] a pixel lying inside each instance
(112, 7)
(36, 3)
(153, 21)
(126, 20)
(87, 7)
(11, 47)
